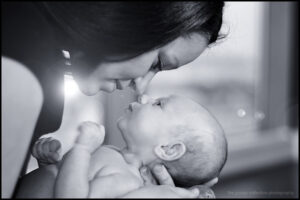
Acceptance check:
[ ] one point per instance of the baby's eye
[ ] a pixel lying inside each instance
(157, 103)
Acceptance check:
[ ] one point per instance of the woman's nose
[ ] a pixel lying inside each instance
(141, 83)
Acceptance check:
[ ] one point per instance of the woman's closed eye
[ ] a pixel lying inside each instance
(158, 66)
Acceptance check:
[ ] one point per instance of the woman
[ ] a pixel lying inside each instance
(111, 45)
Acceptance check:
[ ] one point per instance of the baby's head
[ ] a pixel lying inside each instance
(178, 133)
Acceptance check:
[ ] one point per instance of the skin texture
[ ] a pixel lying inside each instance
(139, 71)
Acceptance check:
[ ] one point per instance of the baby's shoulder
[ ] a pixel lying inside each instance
(106, 160)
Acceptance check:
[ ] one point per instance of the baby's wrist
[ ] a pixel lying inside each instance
(82, 147)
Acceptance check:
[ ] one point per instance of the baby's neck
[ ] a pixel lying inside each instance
(132, 159)
(129, 157)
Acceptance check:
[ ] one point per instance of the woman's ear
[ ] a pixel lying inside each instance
(171, 151)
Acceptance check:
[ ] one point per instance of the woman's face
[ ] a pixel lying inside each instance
(139, 71)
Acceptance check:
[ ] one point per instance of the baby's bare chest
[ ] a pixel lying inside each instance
(123, 178)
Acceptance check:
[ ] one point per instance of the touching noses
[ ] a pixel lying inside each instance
(141, 83)
(144, 99)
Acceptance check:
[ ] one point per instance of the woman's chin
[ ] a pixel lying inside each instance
(88, 91)
(109, 88)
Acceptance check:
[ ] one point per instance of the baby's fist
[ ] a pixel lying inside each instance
(91, 135)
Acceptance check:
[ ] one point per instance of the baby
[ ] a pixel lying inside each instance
(174, 131)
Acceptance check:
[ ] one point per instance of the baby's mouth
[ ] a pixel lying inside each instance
(130, 107)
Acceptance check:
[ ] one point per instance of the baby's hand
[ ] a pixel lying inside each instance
(47, 151)
(91, 135)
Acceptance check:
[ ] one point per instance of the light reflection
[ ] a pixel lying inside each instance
(71, 87)
(66, 54)
(259, 115)
(241, 113)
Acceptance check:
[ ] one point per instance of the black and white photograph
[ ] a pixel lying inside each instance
(150, 99)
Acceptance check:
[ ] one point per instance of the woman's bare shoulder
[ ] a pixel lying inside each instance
(22, 99)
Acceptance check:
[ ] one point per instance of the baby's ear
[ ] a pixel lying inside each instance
(171, 151)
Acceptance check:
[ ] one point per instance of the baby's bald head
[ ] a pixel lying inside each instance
(179, 133)
(206, 149)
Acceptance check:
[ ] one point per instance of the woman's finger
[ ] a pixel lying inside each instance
(184, 193)
(147, 176)
(205, 192)
(211, 182)
(162, 175)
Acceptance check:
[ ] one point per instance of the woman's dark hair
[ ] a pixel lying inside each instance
(129, 29)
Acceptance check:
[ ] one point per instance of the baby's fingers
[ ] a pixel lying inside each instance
(54, 146)
(39, 148)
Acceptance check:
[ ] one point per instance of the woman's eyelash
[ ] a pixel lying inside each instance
(159, 65)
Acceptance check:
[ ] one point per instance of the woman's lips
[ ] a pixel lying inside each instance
(118, 85)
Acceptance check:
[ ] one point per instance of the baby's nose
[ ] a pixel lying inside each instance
(133, 105)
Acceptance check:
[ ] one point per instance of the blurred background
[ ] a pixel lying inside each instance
(249, 81)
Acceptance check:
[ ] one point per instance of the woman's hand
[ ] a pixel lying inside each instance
(162, 177)
(166, 187)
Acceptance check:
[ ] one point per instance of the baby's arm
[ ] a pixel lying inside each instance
(72, 179)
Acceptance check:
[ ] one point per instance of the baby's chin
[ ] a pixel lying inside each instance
(122, 124)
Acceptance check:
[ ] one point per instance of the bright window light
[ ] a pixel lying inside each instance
(71, 87)
(66, 54)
